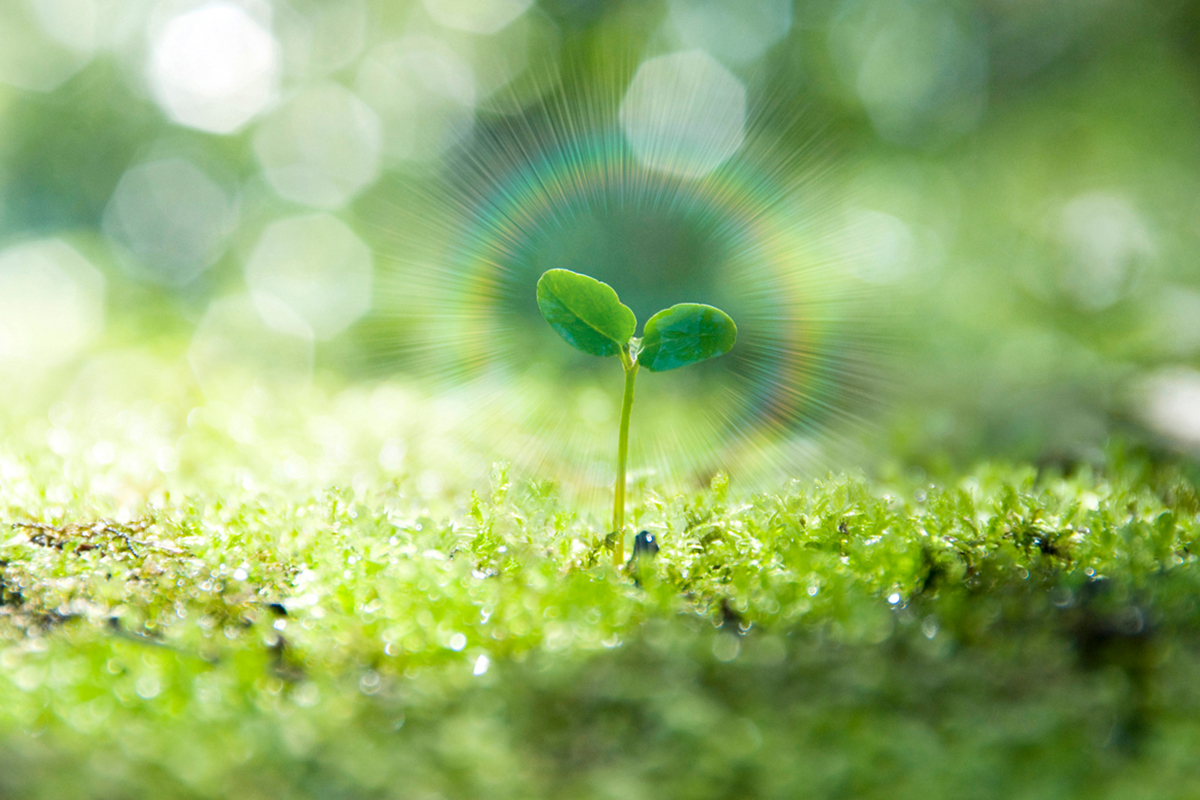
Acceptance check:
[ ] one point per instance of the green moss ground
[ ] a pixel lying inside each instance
(235, 616)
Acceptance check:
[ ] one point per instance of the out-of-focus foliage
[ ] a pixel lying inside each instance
(1015, 178)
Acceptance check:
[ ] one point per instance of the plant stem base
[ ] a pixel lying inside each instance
(631, 369)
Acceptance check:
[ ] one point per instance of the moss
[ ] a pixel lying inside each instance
(226, 633)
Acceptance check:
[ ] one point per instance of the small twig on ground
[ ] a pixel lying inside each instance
(58, 536)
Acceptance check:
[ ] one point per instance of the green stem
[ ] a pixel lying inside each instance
(631, 369)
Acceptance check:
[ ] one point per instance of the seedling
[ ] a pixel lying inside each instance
(590, 316)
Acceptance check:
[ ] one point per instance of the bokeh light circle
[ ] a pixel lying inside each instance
(476, 16)
(213, 68)
(44, 43)
(424, 94)
(311, 275)
(684, 113)
(169, 221)
(51, 304)
(736, 32)
(320, 149)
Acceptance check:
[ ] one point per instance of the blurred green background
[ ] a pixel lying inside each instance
(272, 189)
(267, 321)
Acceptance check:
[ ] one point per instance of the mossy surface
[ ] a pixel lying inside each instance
(241, 617)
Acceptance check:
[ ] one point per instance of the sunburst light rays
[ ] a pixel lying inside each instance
(758, 234)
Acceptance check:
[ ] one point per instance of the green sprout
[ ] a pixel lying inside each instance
(590, 316)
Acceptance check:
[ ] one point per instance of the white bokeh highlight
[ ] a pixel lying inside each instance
(423, 92)
(735, 31)
(498, 61)
(51, 303)
(918, 70)
(72, 23)
(232, 346)
(1108, 245)
(476, 16)
(883, 246)
(684, 114)
(43, 43)
(169, 221)
(311, 273)
(318, 37)
(213, 68)
(1170, 404)
(322, 148)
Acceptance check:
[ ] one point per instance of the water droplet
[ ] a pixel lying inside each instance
(148, 687)
(370, 682)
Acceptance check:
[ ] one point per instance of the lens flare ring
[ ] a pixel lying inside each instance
(806, 355)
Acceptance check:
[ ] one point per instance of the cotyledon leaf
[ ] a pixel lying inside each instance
(684, 334)
(585, 312)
